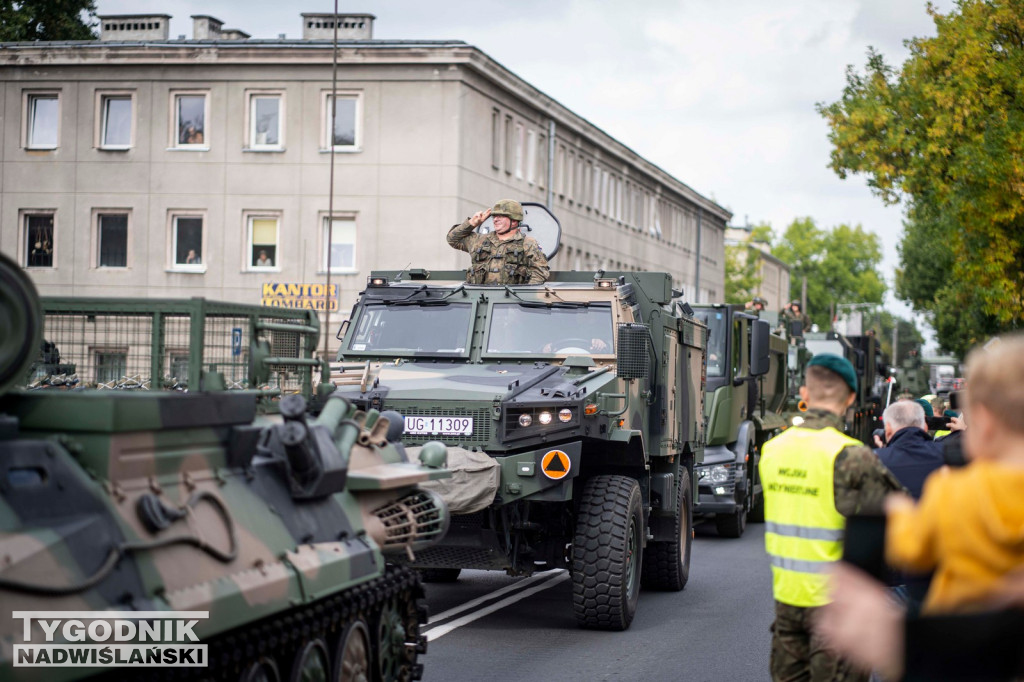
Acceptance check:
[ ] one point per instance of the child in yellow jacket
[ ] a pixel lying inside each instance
(969, 523)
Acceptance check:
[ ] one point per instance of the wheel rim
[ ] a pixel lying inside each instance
(354, 660)
(632, 551)
(264, 670)
(391, 637)
(311, 664)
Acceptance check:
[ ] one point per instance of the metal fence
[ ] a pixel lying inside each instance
(167, 344)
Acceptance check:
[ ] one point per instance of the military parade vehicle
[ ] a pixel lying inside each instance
(277, 532)
(862, 418)
(573, 415)
(746, 391)
(913, 375)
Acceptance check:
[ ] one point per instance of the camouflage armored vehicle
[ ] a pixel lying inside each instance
(573, 415)
(861, 418)
(746, 392)
(279, 529)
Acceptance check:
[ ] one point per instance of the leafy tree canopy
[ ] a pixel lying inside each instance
(945, 133)
(26, 20)
(908, 337)
(841, 266)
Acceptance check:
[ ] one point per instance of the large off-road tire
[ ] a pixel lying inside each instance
(439, 575)
(756, 513)
(667, 563)
(606, 553)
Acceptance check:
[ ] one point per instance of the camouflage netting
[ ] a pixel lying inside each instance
(473, 484)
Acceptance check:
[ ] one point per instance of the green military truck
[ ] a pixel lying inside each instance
(573, 415)
(745, 393)
(862, 417)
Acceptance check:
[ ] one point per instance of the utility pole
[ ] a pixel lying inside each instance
(803, 296)
(895, 343)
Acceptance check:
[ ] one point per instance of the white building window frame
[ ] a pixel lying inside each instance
(175, 127)
(324, 251)
(29, 99)
(28, 242)
(97, 238)
(326, 132)
(252, 143)
(102, 117)
(120, 353)
(520, 141)
(249, 218)
(531, 156)
(173, 218)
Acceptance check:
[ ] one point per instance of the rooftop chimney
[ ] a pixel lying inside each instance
(205, 27)
(350, 26)
(139, 27)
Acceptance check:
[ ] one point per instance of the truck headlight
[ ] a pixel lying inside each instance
(717, 474)
(525, 420)
(565, 415)
(544, 418)
(798, 420)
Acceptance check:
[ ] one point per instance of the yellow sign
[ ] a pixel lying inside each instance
(303, 296)
(556, 465)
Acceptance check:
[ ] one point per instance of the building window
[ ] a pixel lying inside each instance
(340, 235)
(115, 121)
(508, 144)
(342, 131)
(178, 367)
(495, 139)
(542, 160)
(190, 115)
(39, 235)
(263, 230)
(42, 115)
(111, 365)
(266, 112)
(520, 141)
(112, 240)
(187, 242)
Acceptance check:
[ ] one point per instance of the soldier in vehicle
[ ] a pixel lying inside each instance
(793, 312)
(505, 255)
(756, 306)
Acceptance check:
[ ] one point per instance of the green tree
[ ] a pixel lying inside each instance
(26, 20)
(908, 336)
(841, 266)
(742, 276)
(945, 133)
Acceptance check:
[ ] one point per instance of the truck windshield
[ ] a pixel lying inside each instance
(717, 330)
(518, 329)
(438, 329)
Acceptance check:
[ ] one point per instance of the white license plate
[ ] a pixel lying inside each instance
(443, 426)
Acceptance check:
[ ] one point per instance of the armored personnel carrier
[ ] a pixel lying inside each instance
(276, 533)
(746, 392)
(573, 415)
(862, 417)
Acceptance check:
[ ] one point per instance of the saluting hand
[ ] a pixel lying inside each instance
(479, 217)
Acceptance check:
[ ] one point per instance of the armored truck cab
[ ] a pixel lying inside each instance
(860, 351)
(573, 415)
(746, 392)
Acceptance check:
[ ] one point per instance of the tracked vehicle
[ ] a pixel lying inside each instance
(280, 529)
(573, 415)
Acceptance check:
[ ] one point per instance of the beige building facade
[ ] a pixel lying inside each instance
(139, 165)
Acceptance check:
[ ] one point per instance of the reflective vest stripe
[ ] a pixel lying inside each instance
(803, 529)
(799, 565)
(806, 532)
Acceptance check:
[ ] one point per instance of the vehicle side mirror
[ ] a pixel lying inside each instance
(342, 330)
(760, 334)
(632, 352)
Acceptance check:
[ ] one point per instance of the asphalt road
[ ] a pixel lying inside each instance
(490, 627)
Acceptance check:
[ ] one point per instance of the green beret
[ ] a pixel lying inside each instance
(928, 412)
(840, 366)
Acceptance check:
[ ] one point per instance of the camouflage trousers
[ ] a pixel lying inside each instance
(800, 656)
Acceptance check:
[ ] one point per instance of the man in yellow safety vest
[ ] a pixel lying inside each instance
(814, 476)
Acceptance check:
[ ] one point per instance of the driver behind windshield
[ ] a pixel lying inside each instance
(589, 334)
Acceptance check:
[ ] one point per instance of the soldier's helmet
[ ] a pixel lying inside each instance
(509, 207)
(795, 303)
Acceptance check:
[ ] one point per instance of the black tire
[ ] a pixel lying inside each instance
(756, 513)
(606, 553)
(439, 575)
(667, 564)
(732, 525)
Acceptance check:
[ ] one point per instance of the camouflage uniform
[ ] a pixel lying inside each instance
(518, 260)
(861, 484)
(789, 315)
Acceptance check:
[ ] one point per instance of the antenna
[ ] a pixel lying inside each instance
(330, 198)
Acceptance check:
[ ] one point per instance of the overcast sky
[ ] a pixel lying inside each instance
(719, 93)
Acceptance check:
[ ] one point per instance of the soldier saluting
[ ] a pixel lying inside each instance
(503, 256)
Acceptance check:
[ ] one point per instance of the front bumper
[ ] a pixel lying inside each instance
(720, 497)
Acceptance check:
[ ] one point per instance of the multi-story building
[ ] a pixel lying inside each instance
(773, 274)
(137, 164)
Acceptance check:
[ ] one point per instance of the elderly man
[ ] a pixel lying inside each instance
(910, 453)
(505, 255)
